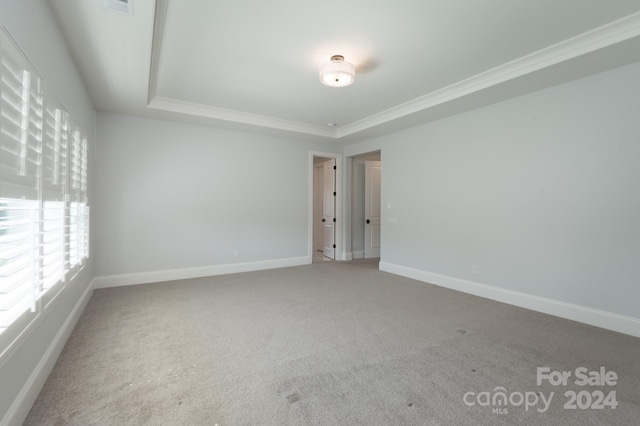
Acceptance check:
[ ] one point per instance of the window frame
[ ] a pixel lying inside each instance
(43, 172)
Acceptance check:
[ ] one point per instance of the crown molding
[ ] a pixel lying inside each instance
(601, 37)
(207, 111)
(590, 41)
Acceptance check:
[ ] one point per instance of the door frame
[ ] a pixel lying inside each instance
(339, 254)
(318, 190)
(352, 155)
(329, 192)
(368, 165)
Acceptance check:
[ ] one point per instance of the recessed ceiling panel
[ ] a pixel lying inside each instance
(257, 61)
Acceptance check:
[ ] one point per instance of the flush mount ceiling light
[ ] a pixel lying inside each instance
(337, 73)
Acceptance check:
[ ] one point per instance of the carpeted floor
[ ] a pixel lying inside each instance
(332, 343)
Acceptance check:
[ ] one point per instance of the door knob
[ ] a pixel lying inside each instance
(368, 221)
(324, 220)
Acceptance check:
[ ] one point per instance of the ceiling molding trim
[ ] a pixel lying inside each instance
(173, 105)
(598, 38)
(160, 17)
(207, 111)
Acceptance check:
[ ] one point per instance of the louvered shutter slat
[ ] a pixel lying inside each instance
(44, 213)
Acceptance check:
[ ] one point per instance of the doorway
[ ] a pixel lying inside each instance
(325, 224)
(366, 222)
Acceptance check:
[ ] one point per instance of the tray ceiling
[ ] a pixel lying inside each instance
(253, 64)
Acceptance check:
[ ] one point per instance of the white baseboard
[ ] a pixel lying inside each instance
(347, 256)
(24, 401)
(608, 320)
(204, 271)
(358, 254)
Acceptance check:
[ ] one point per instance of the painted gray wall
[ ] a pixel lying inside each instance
(33, 27)
(541, 192)
(173, 196)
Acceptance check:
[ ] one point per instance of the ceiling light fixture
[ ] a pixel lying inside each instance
(337, 73)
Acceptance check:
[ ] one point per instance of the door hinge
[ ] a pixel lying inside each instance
(334, 220)
(334, 193)
(334, 246)
(335, 168)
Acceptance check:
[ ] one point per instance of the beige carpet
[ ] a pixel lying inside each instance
(330, 343)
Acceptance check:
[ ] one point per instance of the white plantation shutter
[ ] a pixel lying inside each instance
(19, 148)
(55, 149)
(53, 259)
(54, 181)
(83, 222)
(44, 211)
(78, 208)
(74, 198)
(33, 168)
(21, 120)
(18, 265)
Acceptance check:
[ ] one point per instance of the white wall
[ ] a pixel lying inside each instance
(173, 196)
(541, 192)
(33, 27)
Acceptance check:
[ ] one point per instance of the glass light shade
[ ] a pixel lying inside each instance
(337, 73)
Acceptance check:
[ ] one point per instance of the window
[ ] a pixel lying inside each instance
(44, 212)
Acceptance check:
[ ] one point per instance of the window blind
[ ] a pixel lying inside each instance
(18, 259)
(20, 149)
(44, 211)
(53, 191)
(78, 208)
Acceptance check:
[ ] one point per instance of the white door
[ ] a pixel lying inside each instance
(329, 205)
(318, 207)
(372, 209)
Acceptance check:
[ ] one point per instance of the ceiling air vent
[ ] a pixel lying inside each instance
(121, 6)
